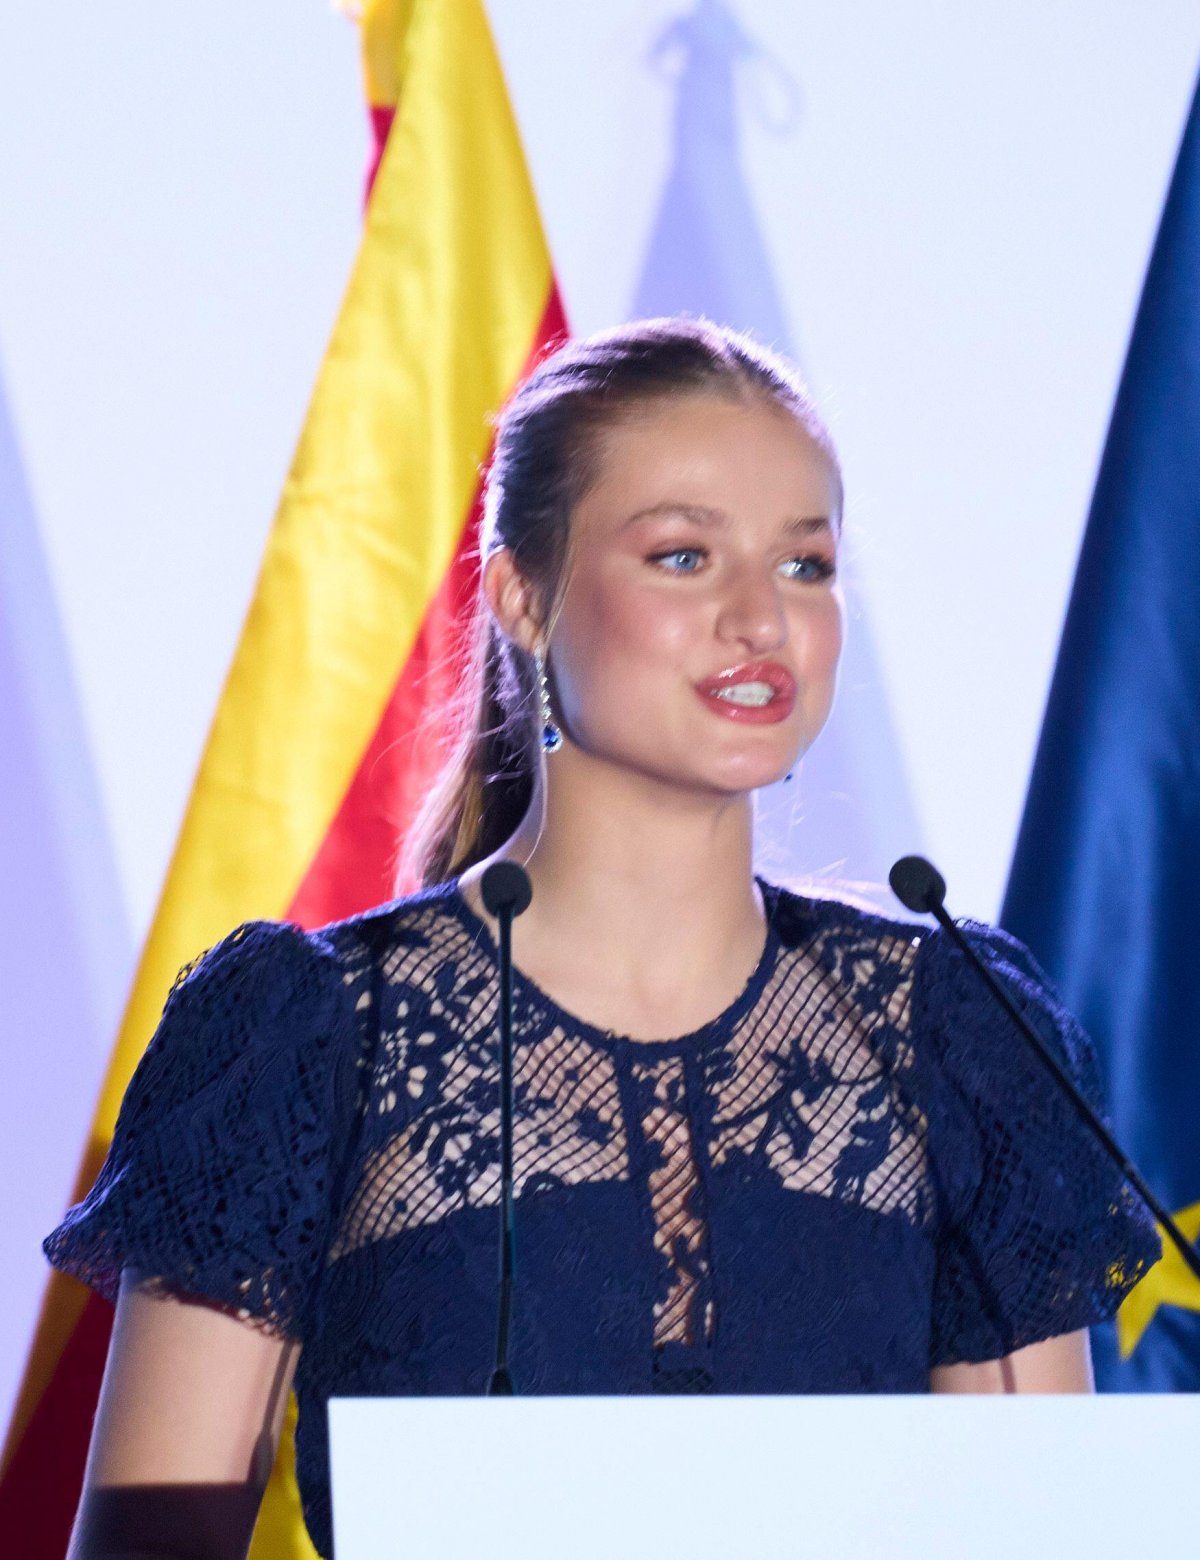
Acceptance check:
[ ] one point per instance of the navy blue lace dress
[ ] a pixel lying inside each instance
(852, 1174)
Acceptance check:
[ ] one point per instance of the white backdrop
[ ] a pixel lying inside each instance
(946, 210)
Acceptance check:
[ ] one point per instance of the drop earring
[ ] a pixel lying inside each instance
(551, 735)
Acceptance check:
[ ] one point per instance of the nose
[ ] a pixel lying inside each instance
(751, 611)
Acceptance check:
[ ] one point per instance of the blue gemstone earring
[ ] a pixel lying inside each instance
(551, 735)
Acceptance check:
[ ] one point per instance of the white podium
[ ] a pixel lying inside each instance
(1095, 1477)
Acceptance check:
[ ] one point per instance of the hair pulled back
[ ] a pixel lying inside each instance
(546, 457)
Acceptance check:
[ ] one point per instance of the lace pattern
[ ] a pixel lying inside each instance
(853, 1173)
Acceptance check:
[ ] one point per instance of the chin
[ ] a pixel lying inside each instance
(729, 768)
(751, 766)
(748, 775)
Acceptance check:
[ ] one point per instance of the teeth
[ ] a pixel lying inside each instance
(756, 693)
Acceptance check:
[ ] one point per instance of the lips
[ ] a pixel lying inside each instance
(765, 673)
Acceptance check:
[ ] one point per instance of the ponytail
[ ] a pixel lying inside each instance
(486, 783)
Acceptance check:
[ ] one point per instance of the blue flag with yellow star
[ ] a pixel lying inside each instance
(1105, 881)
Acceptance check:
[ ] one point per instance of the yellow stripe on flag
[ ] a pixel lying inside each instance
(445, 297)
(384, 24)
(442, 308)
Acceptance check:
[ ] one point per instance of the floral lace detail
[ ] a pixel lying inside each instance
(803, 1085)
(851, 1174)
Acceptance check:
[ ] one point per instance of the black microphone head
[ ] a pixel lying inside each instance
(505, 885)
(917, 884)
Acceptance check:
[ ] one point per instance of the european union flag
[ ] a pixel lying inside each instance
(1105, 882)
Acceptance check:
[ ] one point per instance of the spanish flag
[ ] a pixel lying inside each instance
(325, 735)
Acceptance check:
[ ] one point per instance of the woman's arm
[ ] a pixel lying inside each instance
(1062, 1364)
(185, 1435)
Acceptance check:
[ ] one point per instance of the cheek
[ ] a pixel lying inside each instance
(617, 626)
(819, 633)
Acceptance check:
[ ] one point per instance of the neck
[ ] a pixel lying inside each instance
(654, 880)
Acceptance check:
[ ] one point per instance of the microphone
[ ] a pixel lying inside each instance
(505, 885)
(506, 891)
(918, 885)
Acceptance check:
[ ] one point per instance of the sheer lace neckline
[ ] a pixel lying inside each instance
(714, 1029)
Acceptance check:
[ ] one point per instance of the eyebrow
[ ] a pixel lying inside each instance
(703, 514)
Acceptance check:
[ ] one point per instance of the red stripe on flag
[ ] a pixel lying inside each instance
(352, 869)
(381, 124)
(41, 1484)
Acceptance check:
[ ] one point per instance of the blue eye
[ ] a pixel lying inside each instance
(817, 568)
(679, 552)
(821, 568)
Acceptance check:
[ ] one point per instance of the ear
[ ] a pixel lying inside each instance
(512, 599)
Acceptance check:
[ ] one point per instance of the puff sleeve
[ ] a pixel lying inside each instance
(220, 1178)
(1040, 1233)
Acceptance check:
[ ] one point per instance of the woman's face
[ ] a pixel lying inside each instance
(704, 561)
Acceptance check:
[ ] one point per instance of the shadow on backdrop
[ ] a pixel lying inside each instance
(848, 813)
(65, 952)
